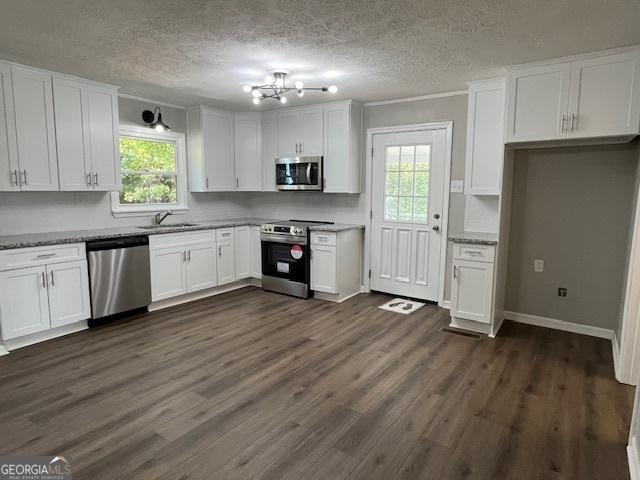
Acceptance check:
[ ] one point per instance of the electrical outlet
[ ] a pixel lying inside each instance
(562, 292)
(538, 265)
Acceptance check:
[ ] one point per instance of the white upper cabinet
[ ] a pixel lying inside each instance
(86, 119)
(485, 137)
(35, 131)
(300, 131)
(248, 151)
(269, 150)
(104, 138)
(605, 96)
(538, 98)
(342, 132)
(211, 150)
(585, 97)
(9, 179)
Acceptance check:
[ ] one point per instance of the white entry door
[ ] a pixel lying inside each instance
(407, 199)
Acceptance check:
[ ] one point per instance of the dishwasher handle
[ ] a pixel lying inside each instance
(112, 243)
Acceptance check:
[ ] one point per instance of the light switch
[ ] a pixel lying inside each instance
(457, 186)
(538, 265)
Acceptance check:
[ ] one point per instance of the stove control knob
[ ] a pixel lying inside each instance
(297, 231)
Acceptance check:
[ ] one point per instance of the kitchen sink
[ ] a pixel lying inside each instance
(169, 225)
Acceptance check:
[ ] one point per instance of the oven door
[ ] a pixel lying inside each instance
(299, 173)
(285, 257)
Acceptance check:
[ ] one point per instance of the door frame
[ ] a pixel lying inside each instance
(447, 126)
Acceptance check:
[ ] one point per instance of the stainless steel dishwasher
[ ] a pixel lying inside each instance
(119, 275)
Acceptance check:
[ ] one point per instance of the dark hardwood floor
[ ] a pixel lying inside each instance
(251, 384)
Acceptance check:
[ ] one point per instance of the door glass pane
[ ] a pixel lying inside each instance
(407, 183)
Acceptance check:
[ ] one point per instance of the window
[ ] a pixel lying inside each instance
(406, 196)
(153, 170)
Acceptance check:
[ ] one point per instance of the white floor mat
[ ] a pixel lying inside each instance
(401, 305)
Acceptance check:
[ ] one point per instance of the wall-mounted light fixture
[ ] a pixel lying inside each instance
(154, 122)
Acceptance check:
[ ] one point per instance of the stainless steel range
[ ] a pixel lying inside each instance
(286, 265)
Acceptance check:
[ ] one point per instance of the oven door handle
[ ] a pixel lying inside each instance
(266, 237)
(309, 173)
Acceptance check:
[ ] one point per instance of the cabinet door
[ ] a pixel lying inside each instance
(472, 290)
(323, 269)
(485, 138)
(605, 96)
(35, 132)
(68, 292)
(269, 150)
(243, 251)
(248, 151)
(168, 273)
(72, 134)
(24, 306)
(226, 262)
(337, 148)
(201, 267)
(256, 252)
(538, 99)
(289, 132)
(217, 144)
(312, 139)
(8, 153)
(104, 141)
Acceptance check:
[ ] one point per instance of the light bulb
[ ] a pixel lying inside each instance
(301, 93)
(333, 89)
(256, 93)
(256, 101)
(299, 84)
(279, 82)
(283, 100)
(268, 80)
(246, 88)
(159, 128)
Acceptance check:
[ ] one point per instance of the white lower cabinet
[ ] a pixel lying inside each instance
(336, 264)
(472, 283)
(44, 295)
(168, 272)
(201, 267)
(226, 256)
(256, 252)
(243, 255)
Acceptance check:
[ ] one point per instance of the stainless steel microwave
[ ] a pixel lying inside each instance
(299, 173)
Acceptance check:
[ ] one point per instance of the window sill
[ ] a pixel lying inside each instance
(148, 212)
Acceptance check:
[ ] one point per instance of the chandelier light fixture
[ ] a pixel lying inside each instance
(275, 87)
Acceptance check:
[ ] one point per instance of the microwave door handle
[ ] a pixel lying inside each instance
(309, 173)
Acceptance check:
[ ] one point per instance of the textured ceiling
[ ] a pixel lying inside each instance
(200, 51)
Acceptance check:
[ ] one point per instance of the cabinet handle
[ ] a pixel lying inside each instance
(455, 272)
(563, 126)
(44, 281)
(89, 179)
(184, 256)
(53, 283)
(219, 251)
(14, 177)
(95, 179)
(46, 255)
(24, 176)
(237, 183)
(188, 255)
(206, 182)
(574, 118)
(301, 148)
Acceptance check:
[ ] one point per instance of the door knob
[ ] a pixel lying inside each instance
(436, 228)
(436, 216)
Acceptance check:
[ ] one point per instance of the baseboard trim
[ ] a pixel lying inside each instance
(632, 457)
(3, 350)
(446, 304)
(560, 325)
(45, 335)
(615, 349)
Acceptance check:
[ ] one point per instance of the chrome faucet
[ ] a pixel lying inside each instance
(162, 215)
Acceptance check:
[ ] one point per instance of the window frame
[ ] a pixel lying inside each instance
(181, 205)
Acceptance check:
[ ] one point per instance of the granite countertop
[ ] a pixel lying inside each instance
(336, 227)
(481, 238)
(54, 238)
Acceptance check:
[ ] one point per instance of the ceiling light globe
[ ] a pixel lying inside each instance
(159, 128)
(301, 93)
(256, 93)
(299, 84)
(256, 101)
(283, 100)
(246, 88)
(333, 89)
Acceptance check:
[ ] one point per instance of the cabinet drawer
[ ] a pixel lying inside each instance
(224, 233)
(323, 238)
(473, 252)
(33, 256)
(165, 240)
